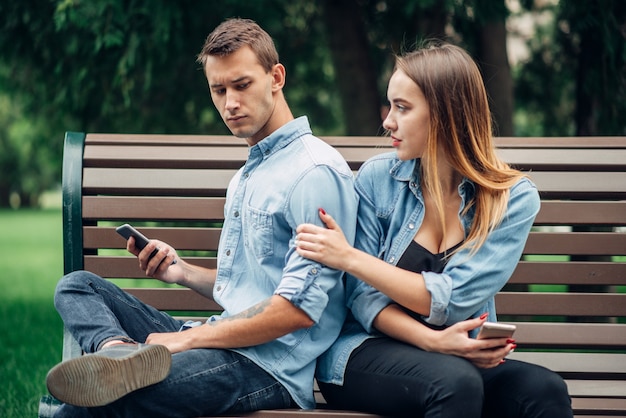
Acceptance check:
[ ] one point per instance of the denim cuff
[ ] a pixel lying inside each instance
(116, 338)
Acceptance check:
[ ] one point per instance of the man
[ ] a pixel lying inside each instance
(281, 311)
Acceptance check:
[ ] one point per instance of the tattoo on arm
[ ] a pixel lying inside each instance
(248, 313)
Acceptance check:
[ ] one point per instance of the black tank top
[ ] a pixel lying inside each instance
(418, 259)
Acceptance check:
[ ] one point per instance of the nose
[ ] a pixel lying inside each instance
(389, 123)
(232, 100)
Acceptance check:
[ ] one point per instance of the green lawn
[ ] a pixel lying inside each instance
(30, 331)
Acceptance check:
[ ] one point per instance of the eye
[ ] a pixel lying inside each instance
(218, 91)
(401, 108)
(243, 86)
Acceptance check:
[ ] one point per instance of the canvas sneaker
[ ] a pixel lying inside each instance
(102, 377)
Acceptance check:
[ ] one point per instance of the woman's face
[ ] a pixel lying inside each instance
(408, 120)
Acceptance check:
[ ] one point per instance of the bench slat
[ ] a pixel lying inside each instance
(580, 243)
(202, 239)
(566, 304)
(569, 273)
(127, 267)
(571, 335)
(585, 213)
(156, 181)
(153, 208)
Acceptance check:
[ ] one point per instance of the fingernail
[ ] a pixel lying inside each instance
(513, 347)
(510, 341)
(485, 315)
(322, 211)
(502, 361)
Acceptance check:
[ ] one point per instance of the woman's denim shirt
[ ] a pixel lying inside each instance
(391, 210)
(286, 178)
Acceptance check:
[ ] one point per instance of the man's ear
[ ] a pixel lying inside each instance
(278, 75)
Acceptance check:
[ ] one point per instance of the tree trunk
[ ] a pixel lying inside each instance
(354, 72)
(496, 71)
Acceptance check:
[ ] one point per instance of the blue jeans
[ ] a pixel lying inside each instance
(202, 382)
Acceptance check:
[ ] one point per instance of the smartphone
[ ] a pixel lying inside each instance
(128, 231)
(496, 330)
(141, 240)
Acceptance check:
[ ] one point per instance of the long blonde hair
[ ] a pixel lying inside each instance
(460, 127)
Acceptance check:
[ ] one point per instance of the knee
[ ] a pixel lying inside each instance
(73, 282)
(461, 384)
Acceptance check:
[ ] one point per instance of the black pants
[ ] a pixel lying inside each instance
(390, 378)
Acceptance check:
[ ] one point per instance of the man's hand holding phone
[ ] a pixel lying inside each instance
(155, 257)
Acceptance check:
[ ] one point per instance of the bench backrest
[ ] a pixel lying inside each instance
(173, 187)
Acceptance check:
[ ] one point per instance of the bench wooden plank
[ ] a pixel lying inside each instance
(153, 208)
(561, 304)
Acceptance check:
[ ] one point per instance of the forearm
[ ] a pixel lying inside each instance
(263, 322)
(405, 287)
(397, 324)
(198, 278)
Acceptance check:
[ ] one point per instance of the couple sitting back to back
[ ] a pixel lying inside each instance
(426, 236)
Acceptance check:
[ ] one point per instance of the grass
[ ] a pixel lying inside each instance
(30, 331)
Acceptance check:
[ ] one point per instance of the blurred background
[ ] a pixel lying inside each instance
(552, 68)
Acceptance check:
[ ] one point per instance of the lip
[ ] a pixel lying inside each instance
(235, 118)
(395, 141)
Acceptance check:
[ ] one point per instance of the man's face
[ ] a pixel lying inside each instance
(242, 92)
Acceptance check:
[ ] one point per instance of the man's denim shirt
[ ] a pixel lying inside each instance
(286, 178)
(391, 210)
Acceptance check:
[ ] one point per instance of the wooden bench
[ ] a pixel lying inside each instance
(568, 295)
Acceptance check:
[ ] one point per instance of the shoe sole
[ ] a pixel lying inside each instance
(94, 380)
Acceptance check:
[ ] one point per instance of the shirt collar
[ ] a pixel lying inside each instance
(409, 170)
(283, 136)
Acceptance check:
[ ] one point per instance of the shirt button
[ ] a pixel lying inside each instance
(227, 252)
(219, 288)
(411, 226)
(236, 214)
(391, 260)
(246, 175)
(314, 271)
(413, 184)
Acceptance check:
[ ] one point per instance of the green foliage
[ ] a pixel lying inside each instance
(129, 66)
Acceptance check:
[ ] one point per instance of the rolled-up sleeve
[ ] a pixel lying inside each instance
(469, 282)
(305, 283)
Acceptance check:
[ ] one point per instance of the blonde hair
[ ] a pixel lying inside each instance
(460, 127)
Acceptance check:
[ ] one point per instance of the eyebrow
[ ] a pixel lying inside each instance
(235, 81)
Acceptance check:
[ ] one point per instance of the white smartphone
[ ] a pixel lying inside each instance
(496, 330)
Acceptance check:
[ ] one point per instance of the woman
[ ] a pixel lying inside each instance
(442, 223)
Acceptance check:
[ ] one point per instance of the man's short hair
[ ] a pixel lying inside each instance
(233, 34)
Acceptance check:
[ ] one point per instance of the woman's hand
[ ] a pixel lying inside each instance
(454, 340)
(485, 353)
(324, 245)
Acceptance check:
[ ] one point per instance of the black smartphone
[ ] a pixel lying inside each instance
(496, 330)
(128, 231)
(141, 240)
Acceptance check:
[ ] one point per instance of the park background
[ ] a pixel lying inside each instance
(552, 68)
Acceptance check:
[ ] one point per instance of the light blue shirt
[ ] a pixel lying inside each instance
(391, 211)
(286, 178)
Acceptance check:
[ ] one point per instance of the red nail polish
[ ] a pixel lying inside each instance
(322, 211)
(485, 315)
(510, 341)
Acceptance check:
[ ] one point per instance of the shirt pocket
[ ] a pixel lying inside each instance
(259, 232)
